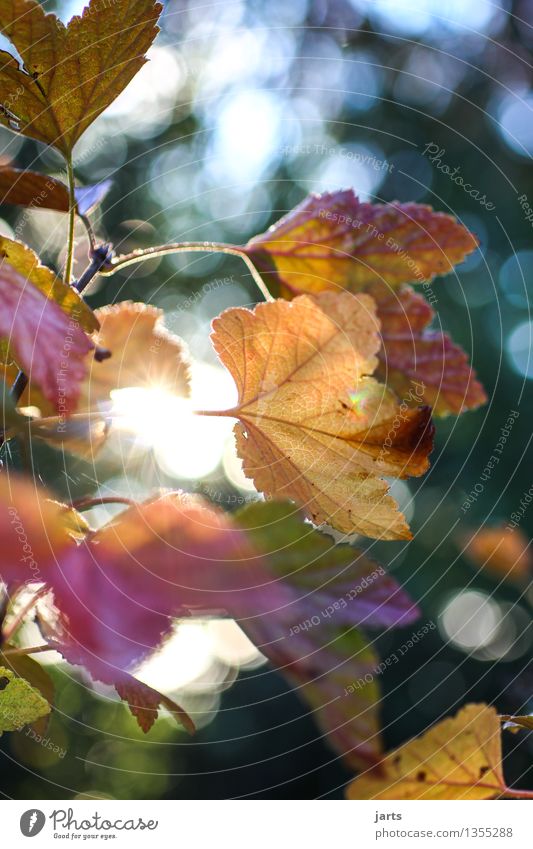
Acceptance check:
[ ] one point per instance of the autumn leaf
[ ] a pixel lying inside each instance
(70, 74)
(421, 365)
(515, 723)
(339, 582)
(503, 552)
(119, 591)
(27, 668)
(20, 703)
(312, 425)
(27, 264)
(43, 322)
(332, 671)
(32, 530)
(333, 241)
(459, 758)
(176, 557)
(39, 191)
(143, 354)
(144, 703)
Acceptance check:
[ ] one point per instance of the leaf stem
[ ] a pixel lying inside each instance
(188, 247)
(71, 222)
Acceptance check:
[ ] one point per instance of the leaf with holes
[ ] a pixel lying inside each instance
(313, 426)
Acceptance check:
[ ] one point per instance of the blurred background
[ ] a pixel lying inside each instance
(245, 107)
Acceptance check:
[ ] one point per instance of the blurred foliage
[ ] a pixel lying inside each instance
(244, 109)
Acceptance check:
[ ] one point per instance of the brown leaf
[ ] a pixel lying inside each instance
(421, 365)
(459, 758)
(333, 241)
(41, 320)
(70, 74)
(313, 426)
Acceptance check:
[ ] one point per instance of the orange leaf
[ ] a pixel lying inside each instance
(428, 359)
(313, 426)
(333, 241)
(33, 531)
(70, 74)
(459, 758)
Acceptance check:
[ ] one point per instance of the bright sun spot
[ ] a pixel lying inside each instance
(185, 445)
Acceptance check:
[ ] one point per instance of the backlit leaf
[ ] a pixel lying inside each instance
(459, 758)
(312, 425)
(32, 531)
(327, 665)
(317, 650)
(118, 592)
(515, 723)
(40, 191)
(337, 582)
(333, 241)
(70, 74)
(20, 703)
(421, 365)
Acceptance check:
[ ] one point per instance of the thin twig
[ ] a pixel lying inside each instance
(188, 247)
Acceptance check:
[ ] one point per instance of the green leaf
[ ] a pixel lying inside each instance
(20, 703)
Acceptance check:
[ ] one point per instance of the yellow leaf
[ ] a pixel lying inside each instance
(70, 74)
(313, 426)
(459, 758)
